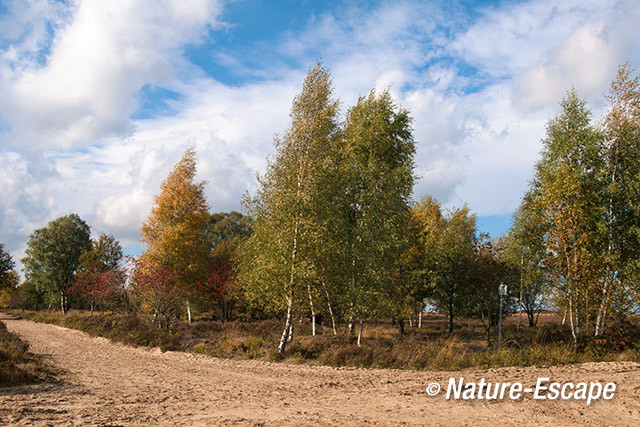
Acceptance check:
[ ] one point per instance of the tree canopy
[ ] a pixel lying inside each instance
(53, 254)
(6, 267)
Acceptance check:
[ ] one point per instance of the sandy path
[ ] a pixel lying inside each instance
(112, 384)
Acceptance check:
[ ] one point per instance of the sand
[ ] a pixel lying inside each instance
(106, 383)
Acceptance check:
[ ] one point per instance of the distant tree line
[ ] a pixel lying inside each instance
(331, 233)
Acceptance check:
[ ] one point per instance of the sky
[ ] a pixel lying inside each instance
(99, 100)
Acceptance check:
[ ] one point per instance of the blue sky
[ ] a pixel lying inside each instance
(100, 99)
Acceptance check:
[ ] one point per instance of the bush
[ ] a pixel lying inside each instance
(17, 365)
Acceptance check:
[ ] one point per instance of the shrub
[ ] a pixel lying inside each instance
(17, 365)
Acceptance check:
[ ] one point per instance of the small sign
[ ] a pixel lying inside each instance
(503, 290)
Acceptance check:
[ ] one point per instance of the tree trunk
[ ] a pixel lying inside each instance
(489, 335)
(333, 319)
(420, 318)
(62, 304)
(520, 301)
(603, 306)
(401, 325)
(287, 334)
(360, 332)
(287, 328)
(605, 296)
(91, 312)
(313, 312)
(586, 314)
(573, 328)
(450, 318)
(188, 312)
(530, 316)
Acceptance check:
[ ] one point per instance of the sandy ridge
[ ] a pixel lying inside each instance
(113, 384)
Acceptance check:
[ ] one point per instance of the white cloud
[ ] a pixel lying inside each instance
(104, 54)
(480, 95)
(586, 59)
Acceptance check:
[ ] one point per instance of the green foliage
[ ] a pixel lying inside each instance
(227, 226)
(277, 261)
(565, 206)
(489, 270)
(378, 178)
(448, 242)
(621, 226)
(526, 252)
(6, 267)
(105, 254)
(53, 254)
(331, 211)
(577, 227)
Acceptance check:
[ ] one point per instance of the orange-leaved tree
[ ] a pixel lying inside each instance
(175, 230)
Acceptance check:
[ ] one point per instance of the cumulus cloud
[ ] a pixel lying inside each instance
(479, 86)
(585, 60)
(97, 61)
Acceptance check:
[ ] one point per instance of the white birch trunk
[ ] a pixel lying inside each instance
(287, 328)
(313, 312)
(360, 332)
(333, 319)
(520, 301)
(605, 296)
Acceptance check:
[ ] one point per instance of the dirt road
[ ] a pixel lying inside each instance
(112, 384)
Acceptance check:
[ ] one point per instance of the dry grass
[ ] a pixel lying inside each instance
(17, 365)
(430, 347)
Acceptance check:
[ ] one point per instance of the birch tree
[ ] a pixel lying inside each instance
(175, 230)
(621, 223)
(450, 252)
(378, 171)
(277, 261)
(566, 191)
(526, 252)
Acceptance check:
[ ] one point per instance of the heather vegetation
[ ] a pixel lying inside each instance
(429, 347)
(17, 365)
(333, 262)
